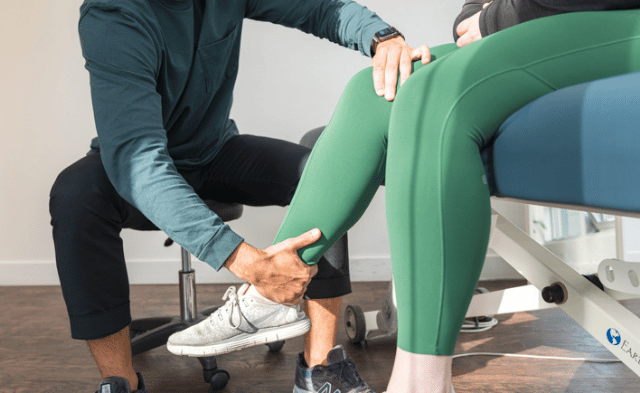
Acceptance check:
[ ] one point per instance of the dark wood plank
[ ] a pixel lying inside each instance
(38, 355)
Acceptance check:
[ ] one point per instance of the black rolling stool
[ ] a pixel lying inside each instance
(150, 333)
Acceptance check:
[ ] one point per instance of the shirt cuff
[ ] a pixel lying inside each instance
(216, 252)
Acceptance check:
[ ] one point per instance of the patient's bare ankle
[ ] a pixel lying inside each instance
(417, 373)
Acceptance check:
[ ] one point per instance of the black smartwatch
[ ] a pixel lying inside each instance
(383, 35)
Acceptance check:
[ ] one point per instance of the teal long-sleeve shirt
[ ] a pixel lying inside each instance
(162, 74)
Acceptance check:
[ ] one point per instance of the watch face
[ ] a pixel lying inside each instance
(385, 31)
(383, 35)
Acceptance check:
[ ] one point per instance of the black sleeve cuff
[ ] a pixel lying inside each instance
(499, 15)
(502, 14)
(484, 29)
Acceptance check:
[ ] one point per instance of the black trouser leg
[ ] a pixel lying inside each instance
(87, 216)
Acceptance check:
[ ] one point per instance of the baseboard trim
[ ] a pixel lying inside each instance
(27, 273)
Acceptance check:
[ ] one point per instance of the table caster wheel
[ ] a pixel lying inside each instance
(355, 324)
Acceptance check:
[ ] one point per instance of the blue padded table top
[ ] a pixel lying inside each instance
(578, 146)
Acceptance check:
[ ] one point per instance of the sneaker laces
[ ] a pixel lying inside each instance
(230, 307)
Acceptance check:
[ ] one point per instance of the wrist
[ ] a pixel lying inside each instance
(383, 35)
(243, 262)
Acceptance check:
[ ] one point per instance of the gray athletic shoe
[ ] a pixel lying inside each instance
(120, 385)
(340, 375)
(244, 321)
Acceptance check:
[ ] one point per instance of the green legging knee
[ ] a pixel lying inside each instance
(427, 145)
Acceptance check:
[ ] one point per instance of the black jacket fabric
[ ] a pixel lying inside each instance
(501, 14)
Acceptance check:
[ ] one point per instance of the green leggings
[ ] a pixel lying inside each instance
(427, 143)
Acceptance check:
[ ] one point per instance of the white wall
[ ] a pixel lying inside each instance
(289, 82)
(45, 122)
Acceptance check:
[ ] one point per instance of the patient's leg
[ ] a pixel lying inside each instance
(342, 175)
(346, 165)
(438, 207)
(344, 169)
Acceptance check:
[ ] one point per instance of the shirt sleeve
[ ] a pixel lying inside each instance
(122, 60)
(343, 22)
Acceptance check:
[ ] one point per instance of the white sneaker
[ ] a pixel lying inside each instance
(244, 321)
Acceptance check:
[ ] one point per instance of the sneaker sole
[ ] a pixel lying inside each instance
(296, 389)
(243, 340)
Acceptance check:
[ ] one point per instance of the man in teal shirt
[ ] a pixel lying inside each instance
(162, 74)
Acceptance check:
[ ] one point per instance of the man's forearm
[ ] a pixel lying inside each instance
(344, 22)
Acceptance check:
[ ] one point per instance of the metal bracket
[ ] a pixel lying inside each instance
(595, 310)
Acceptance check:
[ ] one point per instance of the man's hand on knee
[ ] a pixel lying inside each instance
(393, 56)
(277, 272)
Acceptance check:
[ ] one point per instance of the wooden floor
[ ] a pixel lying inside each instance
(38, 355)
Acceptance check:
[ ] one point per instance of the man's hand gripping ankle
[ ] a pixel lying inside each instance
(277, 272)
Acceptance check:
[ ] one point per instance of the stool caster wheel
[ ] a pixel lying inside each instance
(275, 347)
(133, 333)
(217, 378)
(354, 323)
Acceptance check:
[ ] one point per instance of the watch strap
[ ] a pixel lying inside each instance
(383, 35)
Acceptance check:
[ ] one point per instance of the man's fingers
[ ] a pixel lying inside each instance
(405, 67)
(391, 75)
(420, 53)
(305, 239)
(286, 301)
(379, 63)
(426, 54)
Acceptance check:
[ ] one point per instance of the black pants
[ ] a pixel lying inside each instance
(88, 215)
